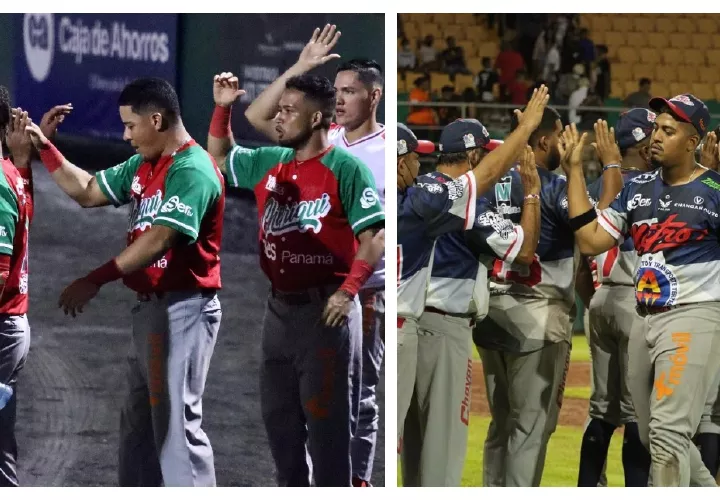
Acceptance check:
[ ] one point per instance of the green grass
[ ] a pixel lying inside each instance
(580, 350)
(561, 464)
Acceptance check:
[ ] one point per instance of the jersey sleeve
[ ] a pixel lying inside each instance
(359, 196)
(492, 234)
(446, 207)
(560, 199)
(614, 219)
(189, 193)
(9, 217)
(116, 182)
(246, 167)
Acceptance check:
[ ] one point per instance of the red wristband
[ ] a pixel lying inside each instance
(105, 274)
(51, 158)
(360, 272)
(220, 123)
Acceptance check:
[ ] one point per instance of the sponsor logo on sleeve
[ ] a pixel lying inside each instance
(3, 231)
(173, 204)
(369, 198)
(638, 201)
(500, 225)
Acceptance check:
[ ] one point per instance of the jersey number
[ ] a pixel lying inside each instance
(610, 260)
(530, 276)
(399, 264)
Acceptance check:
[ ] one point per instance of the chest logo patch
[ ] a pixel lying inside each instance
(303, 216)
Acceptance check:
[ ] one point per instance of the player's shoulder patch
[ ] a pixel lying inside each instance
(504, 227)
(645, 177)
(712, 180)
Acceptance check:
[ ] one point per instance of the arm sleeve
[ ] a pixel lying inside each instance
(614, 219)
(359, 196)
(9, 217)
(116, 182)
(492, 234)
(246, 167)
(446, 207)
(189, 193)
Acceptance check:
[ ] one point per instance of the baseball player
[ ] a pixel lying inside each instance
(671, 215)
(427, 211)
(359, 88)
(315, 203)
(611, 315)
(436, 426)
(177, 202)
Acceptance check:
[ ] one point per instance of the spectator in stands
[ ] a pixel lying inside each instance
(576, 99)
(571, 53)
(421, 115)
(428, 56)
(486, 80)
(602, 73)
(508, 62)
(518, 88)
(641, 97)
(406, 56)
(453, 59)
(544, 42)
(552, 66)
(448, 114)
(468, 95)
(588, 118)
(587, 49)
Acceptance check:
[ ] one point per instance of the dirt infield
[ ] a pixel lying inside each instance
(574, 410)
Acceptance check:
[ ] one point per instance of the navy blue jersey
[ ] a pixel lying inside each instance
(458, 281)
(675, 233)
(425, 211)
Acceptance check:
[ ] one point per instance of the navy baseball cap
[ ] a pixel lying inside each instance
(407, 142)
(465, 134)
(688, 108)
(633, 127)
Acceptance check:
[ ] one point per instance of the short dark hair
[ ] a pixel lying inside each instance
(318, 90)
(547, 124)
(452, 158)
(151, 94)
(645, 81)
(369, 72)
(486, 60)
(5, 111)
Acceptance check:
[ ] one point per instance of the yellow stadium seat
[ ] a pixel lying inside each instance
(694, 57)
(469, 48)
(598, 38)
(642, 71)
(708, 74)
(714, 41)
(673, 56)
(463, 82)
(700, 41)
(685, 25)
(658, 40)
(630, 87)
(600, 23)
(616, 38)
(443, 18)
(464, 19)
(474, 64)
(660, 89)
(688, 73)
(454, 30)
(717, 91)
(666, 73)
(713, 57)
(488, 49)
(439, 80)
(622, 71)
(617, 89)
(628, 55)
(622, 23)
(411, 31)
(401, 83)
(679, 88)
(637, 40)
(649, 55)
(644, 24)
(478, 34)
(665, 24)
(704, 91)
(410, 78)
(680, 41)
(430, 29)
(707, 26)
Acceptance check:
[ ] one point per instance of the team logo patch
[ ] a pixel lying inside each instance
(502, 191)
(430, 188)
(651, 116)
(369, 198)
(135, 187)
(683, 99)
(469, 141)
(645, 178)
(272, 185)
(402, 147)
(664, 205)
(655, 284)
(485, 132)
(456, 189)
(699, 200)
(500, 225)
(638, 134)
(564, 203)
(306, 215)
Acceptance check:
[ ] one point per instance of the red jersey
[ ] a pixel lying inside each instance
(184, 191)
(16, 209)
(310, 211)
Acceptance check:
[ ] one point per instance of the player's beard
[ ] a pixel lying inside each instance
(298, 141)
(553, 159)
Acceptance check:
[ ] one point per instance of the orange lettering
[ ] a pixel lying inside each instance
(666, 382)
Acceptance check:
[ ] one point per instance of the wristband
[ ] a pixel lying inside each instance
(220, 123)
(51, 158)
(105, 274)
(360, 272)
(582, 220)
(533, 196)
(611, 165)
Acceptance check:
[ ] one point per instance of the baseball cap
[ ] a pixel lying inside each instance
(634, 126)
(407, 142)
(688, 108)
(464, 134)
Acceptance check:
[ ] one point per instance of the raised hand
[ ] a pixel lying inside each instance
(36, 135)
(528, 172)
(54, 117)
(605, 145)
(535, 107)
(709, 154)
(226, 89)
(571, 147)
(17, 140)
(316, 52)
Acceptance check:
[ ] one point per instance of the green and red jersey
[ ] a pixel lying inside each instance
(309, 211)
(184, 191)
(16, 210)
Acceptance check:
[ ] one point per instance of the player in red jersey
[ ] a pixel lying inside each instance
(177, 202)
(315, 203)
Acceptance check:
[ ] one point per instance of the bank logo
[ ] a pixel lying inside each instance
(39, 43)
